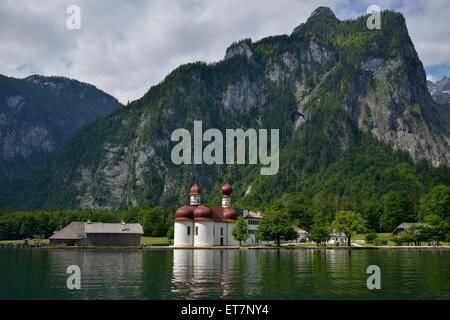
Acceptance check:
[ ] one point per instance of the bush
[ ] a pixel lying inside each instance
(380, 242)
(370, 237)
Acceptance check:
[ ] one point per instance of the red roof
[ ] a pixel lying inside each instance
(185, 213)
(205, 213)
(195, 189)
(226, 189)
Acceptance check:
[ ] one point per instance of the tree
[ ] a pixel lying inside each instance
(437, 202)
(407, 238)
(319, 232)
(435, 229)
(276, 226)
(398, 208)
(240, 230)
(300, 210)
(154, 222)
(170, 233)
(348, 223)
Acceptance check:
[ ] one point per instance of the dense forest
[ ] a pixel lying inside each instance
(396, 207)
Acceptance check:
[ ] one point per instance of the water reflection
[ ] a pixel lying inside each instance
(203, 273)
(104, 274)
(227, 274)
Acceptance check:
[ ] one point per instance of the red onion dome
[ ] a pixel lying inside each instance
(195, 189)
(185, 212)
(203, 212)
(226, 190)
(230, 214)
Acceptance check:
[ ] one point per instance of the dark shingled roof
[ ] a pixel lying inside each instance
(78, 230)
(74, 230)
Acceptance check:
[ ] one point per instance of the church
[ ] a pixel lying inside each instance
(198, 225)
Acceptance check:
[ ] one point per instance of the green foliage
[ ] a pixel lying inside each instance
(380, 242)
(406, 238)
(156, 221)
(436, 202)
(170, 232)
(21, 225)
(398, 208)
(276, 226)
(436, 229)
(240, 230)
(370, 237)
(319, 232)
(348, 223)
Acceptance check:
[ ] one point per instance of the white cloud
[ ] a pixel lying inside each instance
(431, 78)
(124, 47)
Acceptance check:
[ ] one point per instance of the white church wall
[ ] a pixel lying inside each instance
(203, 233)
(183, 233)
(220, 231)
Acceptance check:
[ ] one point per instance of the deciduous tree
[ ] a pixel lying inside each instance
(348, 223)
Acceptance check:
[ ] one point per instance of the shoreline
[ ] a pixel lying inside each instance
(426, 248)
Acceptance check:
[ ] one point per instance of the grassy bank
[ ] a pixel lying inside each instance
(21, 242)
(357, 241)
(149, 241)
(155, 241)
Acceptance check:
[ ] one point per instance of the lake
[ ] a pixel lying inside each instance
(223, 274)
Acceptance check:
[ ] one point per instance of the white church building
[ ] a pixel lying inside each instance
(198, 225)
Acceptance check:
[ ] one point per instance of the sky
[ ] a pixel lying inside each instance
(124, 47)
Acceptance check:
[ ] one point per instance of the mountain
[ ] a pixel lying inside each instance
(355, 116)
(440, 90)
(38, 115)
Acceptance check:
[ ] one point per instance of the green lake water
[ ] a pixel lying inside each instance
(224, 274)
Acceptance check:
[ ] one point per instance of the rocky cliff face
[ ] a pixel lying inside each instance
(39, 114)
(327, 87)
(397, 109)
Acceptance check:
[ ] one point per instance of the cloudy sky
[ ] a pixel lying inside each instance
(124, 47)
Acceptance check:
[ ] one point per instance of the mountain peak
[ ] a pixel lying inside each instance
(321, 13)
(318, 16)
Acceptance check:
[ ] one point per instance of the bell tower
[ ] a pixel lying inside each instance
(195, 195)
(226, 191)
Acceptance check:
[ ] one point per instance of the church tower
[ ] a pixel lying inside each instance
(195, 195)
(226, 191)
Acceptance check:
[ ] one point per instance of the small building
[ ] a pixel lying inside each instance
(302, 235)
(98, 234)
(407, 227)
(253, 219)
(337, 238)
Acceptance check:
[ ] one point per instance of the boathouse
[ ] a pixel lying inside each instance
(98, 234)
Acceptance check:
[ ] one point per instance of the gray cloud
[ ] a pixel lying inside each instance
(124, 47)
